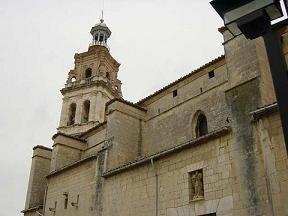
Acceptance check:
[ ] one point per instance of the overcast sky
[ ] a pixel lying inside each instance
(156, 42)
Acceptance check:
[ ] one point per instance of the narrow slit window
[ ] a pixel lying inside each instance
(175, 93)
(66, 202)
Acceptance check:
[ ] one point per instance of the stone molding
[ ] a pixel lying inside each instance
(42, 147)
(264, 111)
(75, 164)
(32, 209)
(194, 142)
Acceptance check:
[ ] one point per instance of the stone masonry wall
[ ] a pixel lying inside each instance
(78, 180)
(123, 133)
(165, 186)
(269, 135)
(37, 181)
(169, 119)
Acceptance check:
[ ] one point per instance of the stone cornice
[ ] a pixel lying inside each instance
(90, 84)
(264, 111)
(69, 136)
(103, 124)
(32, 209)
(127, 103)
(75, 164)
(212, 135)
(42, 147)
(216, 62)
(96, 49)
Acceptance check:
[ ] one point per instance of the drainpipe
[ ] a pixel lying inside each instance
(156, 186)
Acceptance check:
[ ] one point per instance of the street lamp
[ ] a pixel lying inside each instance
(253, 19)
(250, 17)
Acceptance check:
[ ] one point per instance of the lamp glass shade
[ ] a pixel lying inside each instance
(274, 11)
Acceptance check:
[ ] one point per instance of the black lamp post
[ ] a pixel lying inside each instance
(253, 19)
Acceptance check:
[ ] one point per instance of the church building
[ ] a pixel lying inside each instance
(210, 143)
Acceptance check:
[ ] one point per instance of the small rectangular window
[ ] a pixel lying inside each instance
(211, 74)
(175, 93)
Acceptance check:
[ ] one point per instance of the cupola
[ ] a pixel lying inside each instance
(100, 33)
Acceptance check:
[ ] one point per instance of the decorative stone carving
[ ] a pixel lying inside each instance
(196, 185)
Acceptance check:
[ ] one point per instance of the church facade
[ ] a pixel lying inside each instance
(210, 143)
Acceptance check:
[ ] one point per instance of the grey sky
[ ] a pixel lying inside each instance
(156, 42)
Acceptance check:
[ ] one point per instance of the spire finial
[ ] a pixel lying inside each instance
(102, 17)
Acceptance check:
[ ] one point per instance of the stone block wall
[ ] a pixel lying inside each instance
(124, 131)
(270, 139)
(79, 180)
(37, 181)
(95, 142)
(164, 185)
(66, 150)
(176, 126)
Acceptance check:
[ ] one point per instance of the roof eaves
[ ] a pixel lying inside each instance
(218, 59)
(69, 136)
(92, 129)
(127, 103)
(212, 135)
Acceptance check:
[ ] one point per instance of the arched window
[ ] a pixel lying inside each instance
(101, 39)
(88, 73)
(201, 126)
(73, 79)
(72, 113)
(86, 110)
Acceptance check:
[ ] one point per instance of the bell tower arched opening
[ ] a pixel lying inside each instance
(71, 115)
(88, 73)
(86, 111)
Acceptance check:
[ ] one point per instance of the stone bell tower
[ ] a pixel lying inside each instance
(90, 85)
